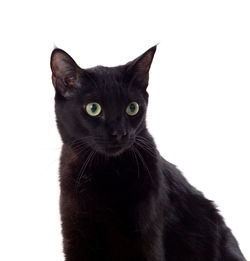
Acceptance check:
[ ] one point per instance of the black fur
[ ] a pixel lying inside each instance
(120, 200)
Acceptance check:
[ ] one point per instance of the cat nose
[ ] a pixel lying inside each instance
(119, 134)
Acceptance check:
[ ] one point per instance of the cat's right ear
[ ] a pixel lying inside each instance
(138, 69)
(65, 73)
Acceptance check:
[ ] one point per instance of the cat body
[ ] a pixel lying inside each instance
(120, 200)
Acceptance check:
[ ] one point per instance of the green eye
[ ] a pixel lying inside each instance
(93, 108)
(132, 108)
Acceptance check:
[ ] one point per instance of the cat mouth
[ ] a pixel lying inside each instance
(115, 149)
(112, 148)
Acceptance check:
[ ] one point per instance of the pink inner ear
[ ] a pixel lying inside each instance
(65, 72)
(59, 65)
(145, 63)
(141, 66)
(62, 64)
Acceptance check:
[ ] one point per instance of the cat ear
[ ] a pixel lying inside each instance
(138, 69)
(65, 73)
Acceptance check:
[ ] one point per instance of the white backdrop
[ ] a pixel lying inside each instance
(199, 84)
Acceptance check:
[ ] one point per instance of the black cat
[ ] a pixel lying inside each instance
(120, 200)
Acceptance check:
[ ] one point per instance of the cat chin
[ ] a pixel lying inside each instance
(113, 151)
(114, 154)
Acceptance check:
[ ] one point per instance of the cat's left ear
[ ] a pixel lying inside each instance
(66, 74)
(138, 69)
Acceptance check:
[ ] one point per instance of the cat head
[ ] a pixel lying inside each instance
(104, 108)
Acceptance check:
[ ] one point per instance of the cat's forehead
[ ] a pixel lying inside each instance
(107, 75)
(108, 79)
(112, 84)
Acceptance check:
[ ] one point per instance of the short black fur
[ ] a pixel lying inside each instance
(120, 200)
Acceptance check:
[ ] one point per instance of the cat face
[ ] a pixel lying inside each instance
(103, 108)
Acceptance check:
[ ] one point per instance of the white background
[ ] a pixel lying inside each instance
(199, 85)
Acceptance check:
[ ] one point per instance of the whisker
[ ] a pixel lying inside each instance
(83, 168)
(144, 147)
(137, 164)
(80, 151)
(143, 162)
(75, 146)
(145, 141)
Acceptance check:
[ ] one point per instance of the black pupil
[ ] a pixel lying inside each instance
(94, 107)
(132, 107)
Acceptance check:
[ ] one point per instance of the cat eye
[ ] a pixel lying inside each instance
(132, 109)
(93, 109)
